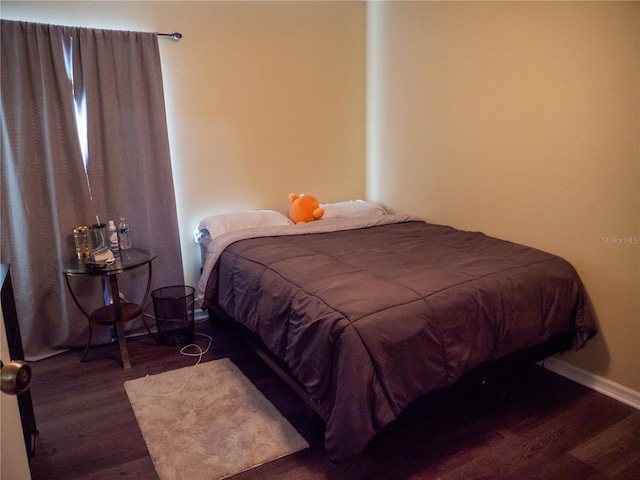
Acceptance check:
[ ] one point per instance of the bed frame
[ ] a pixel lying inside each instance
(485, 372)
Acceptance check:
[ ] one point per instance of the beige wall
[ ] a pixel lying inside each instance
(263, 98)
(520, 120)
(517, 119)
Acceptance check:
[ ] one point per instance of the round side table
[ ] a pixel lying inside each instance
(115, 312)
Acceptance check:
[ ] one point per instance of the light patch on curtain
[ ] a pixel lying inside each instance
(79, 99)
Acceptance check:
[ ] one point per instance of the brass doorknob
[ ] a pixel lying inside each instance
(15, 377)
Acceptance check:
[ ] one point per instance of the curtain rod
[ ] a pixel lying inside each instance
(174, 36)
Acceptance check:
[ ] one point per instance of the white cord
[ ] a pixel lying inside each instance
(200, 353)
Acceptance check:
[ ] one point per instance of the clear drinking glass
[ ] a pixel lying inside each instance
(99, 236)
(81, 239)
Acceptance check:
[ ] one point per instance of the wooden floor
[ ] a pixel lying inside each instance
(533, 425)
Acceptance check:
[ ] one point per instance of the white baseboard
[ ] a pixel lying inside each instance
(594, 382)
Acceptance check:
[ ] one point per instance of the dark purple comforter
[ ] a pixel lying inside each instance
(370, 319)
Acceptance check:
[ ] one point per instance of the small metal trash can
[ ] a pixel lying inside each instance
(173, 307)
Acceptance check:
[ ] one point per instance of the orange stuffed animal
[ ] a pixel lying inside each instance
(304, 208)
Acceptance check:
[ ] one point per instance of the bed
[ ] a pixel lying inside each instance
(365, 312)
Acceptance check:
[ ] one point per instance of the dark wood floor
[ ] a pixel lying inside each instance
(532, 425)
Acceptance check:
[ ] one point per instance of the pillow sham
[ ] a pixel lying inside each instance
(351, 208)
(215, 225)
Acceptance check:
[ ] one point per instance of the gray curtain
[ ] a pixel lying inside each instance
(116, 78)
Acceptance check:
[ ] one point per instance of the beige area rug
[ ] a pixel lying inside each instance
(218, 425)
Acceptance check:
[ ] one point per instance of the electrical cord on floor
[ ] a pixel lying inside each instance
(200, 353)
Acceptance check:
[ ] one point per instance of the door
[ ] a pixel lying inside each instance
(13, 453)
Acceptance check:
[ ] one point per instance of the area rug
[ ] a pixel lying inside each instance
(215, 425)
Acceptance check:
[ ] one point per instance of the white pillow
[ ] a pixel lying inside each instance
(351, 208)
(215, 225)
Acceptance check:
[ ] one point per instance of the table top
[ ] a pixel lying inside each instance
(127, 260)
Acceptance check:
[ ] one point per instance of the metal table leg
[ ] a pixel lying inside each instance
(119, 325)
